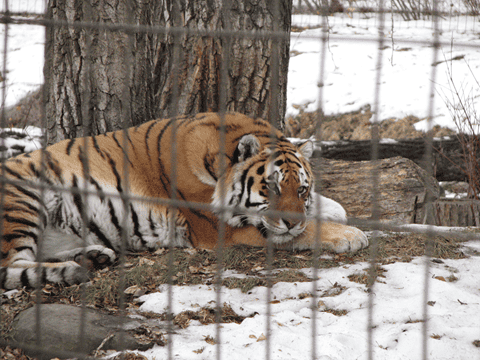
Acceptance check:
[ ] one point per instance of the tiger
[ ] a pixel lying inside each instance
(84, 200)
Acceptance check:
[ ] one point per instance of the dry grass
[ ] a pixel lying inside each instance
(355, 125)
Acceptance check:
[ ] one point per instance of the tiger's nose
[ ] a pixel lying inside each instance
(290, 223)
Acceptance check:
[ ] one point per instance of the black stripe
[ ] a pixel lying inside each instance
(13, 173)
(150, 221)
(114, 218)
(249, 192)
(29, 206)
(11, 193)
(101, 193)
(12, 208)
(96, 147)
(52, 164)
(207, 163)
(29, 234)
(12, 219)
(24, 279)
(43, 279)
(147, 135)
(136, 224)
(94, 228)
(39, 175)
(3, 276)
(163, 177)
(130, 140)
(114, 136)
(77, 198)
(21, 248)
(27, 193)
(10, 237)
(74, 230)
(70, 145)
(84, 161)
(63, 270)
(125, 152)
(115, 173)
(244, 178)
(262, 229)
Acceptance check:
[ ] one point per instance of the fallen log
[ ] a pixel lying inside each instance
(402, 193)
(448, 158)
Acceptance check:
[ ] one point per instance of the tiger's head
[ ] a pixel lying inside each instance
(274, 177)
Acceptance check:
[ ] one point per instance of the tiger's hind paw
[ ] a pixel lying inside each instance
(72, 275)
(95, 257)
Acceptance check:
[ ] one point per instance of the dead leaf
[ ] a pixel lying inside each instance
(145, 261)
(194, 269)
(210, 340)
(132, 289)
(261, 338)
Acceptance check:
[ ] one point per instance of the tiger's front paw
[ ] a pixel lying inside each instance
(348, 239)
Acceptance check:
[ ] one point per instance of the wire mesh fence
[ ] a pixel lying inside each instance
(166, 268)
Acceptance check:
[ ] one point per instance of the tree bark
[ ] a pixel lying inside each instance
(449, 161)
(98, 80)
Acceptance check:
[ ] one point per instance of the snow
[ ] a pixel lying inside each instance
(406, 72)
(398, 310)
(398, 299)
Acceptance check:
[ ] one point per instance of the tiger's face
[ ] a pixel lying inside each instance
(270, 188)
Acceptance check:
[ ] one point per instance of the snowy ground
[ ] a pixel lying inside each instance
(406, 77)
(453, 317)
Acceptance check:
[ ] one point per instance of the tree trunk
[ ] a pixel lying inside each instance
(99, 80)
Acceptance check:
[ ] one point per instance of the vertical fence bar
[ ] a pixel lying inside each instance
(318, 208)
(375, 180)
(87, 121)
(177, 60)
(2, 125)
(127, 112)
(429, 168)
(226, 43)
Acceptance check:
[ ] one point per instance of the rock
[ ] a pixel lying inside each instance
(60, 330)
(402, 187)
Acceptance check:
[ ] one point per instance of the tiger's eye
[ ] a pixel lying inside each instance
(302, 190)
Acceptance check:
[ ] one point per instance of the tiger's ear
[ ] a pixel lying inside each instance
(247, 147)
(306, 149)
